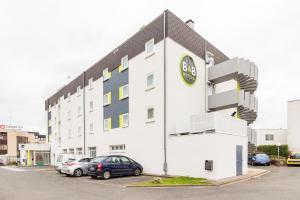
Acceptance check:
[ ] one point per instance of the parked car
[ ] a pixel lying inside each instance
(259, 159)
(62, 158)
(293, 159)
(113, 165)
(76, 167)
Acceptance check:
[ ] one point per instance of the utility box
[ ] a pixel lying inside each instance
(209, 165)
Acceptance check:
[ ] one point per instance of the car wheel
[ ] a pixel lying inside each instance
(78, 172)
(106, 175)
(137, 172)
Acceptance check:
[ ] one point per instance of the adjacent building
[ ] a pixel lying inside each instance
(10, 139)
(289, 136)
(163, 96)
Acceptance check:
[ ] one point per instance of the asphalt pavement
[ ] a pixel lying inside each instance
(282, 183)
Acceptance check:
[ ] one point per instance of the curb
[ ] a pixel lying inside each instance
(225, 183)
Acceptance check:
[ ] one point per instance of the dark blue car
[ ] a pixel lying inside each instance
(258, 159)
(113, 165)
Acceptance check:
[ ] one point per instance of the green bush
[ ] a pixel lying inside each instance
(272, 150)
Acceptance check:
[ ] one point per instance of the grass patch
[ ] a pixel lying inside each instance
(175, 181)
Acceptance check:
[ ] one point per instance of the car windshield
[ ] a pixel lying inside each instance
(295, 155)
(98, 159)
(71, 159)
(261, 156)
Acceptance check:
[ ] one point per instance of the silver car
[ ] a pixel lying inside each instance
(76, 167)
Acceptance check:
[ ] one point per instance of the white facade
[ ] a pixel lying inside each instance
(293, 125)
(271, 136)
(214, 136)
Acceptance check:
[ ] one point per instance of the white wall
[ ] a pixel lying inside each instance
(293, 125)
(279, 135)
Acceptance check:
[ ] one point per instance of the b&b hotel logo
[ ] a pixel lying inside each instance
(188, 70)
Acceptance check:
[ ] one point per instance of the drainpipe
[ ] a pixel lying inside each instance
(165, 119)
(83, 96)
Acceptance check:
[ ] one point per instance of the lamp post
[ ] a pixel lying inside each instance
(278, 145)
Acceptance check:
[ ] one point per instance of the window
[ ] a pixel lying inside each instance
(123, 120)
(107, 99)
(79, 131)
(78, 91)
(69, 134)
(125, 160)
(150, 81)
(107, 124)
(91, 83)
(79, 151)
(106, 74)
(69, 96)
(150, 114)
(79, 111)
(124, 64)
(119, 148)
(269, 137)
(92, 152)
(149, 46)
(91, 106)
(71, 151)
(69, 115)
(91, 128)
(64, 151)
(123, 92)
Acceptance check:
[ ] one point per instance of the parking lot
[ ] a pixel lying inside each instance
(31, 184)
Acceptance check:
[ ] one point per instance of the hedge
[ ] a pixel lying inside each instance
(272, 150)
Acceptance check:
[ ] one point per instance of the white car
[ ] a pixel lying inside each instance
(76, 167)
(62, 158)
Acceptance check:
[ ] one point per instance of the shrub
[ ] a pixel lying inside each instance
(272, 150)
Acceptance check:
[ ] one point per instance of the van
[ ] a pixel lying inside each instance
(62, 158)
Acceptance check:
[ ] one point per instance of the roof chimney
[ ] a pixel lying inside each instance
(190, 23)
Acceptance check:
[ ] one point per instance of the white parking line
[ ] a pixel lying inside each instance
(13, 169)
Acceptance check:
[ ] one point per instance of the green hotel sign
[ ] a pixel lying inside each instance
(188, 70)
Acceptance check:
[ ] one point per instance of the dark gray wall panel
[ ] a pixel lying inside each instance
(117, 106)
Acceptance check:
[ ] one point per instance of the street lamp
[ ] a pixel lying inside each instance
(278, 145)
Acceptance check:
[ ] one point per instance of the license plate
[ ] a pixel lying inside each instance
(92, 168)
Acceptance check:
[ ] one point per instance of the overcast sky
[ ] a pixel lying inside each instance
(44, 42)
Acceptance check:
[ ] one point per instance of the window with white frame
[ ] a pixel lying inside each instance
(91, 106)
(71, 151)
(91, 83)
(69, 134)
(91, 128)
(269, 137)
(150, 114)
(69, 115)
(149, 47)
(124, 120)
(78, 91)
(69, 96)
(107, 124)
(92, 152)
(124, 63)
(79, 111)
(79, 151)
(106, 74)
(107, 99)
(123, 92)
(150, 81)
(118, 148)
(79, 131)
